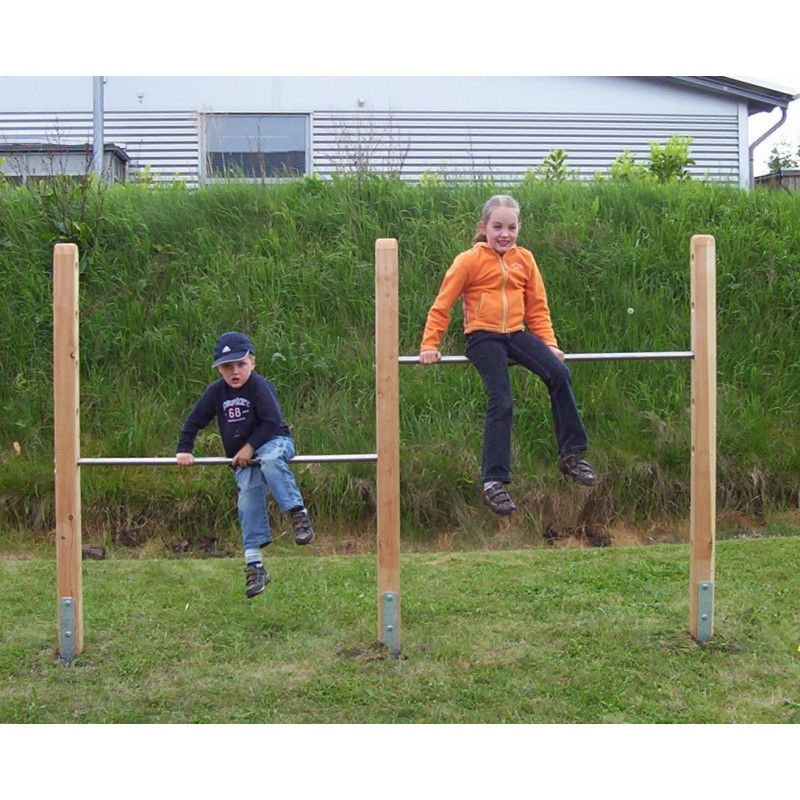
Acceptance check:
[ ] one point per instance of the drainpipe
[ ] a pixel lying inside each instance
(97, 150)
(761, 139)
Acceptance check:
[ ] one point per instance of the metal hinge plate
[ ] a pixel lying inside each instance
(705, 610)
(66, 641)
(390, 617)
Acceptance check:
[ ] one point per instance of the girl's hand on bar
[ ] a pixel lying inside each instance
(429, 356)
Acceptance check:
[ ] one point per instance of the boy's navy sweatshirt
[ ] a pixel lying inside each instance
(247, 415)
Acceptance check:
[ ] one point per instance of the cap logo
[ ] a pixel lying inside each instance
(226, 349)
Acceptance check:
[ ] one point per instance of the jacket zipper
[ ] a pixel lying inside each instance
(503, 293)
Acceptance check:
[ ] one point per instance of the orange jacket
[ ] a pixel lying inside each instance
(499, 294)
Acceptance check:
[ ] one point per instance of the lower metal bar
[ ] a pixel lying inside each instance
(574, 357)
(143, 462)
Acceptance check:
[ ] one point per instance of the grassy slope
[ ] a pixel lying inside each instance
(534, 636)
(164, 271)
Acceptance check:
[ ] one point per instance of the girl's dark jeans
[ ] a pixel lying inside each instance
(489, 352)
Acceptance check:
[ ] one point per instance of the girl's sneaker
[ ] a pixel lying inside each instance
(497, 498)
(256, 578)
(575, 466)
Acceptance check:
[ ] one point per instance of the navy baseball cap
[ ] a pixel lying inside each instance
(232, 346)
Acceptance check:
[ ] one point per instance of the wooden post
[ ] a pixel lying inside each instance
(67, 449)
(702, 525)
(387, 432)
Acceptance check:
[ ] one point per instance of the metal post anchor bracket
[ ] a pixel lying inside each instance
(705, 610)
(389, 631)
(66, 641)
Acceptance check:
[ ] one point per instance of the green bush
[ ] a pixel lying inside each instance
(781, 157)
(670, 161)
(667, 162)
(626, 169)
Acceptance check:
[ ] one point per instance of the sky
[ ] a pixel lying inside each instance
(421, 37)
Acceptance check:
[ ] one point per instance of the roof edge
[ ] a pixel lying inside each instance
(759, 97)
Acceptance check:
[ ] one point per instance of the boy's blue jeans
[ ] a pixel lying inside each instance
(489, 352)
(273, 474)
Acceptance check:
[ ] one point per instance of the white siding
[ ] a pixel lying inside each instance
(462, 145)
(495, 94)
(166, 143)
(506, 145)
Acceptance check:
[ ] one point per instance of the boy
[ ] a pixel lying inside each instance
(259, 442)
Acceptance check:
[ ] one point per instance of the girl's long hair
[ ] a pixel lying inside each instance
(496, 201)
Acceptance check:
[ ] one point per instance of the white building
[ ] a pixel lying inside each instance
(198, 128)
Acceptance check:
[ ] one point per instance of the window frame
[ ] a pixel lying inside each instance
(206, 174)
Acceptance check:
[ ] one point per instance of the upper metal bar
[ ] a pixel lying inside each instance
(572, 357)
(141, 462)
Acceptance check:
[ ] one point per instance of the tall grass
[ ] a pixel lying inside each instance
(164, 271)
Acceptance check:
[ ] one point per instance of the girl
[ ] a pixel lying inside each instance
(502, 291)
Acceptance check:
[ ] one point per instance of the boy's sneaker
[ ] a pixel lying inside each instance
(256, 578)
(575, 466)
(303, 532)
(498, 499)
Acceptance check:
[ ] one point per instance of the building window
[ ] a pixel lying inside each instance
(255, 145)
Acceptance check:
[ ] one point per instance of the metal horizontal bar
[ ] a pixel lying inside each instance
(154, 462)
(574, 357)
(336, 457)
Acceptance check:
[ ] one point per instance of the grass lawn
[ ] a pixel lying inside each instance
(536, 636)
